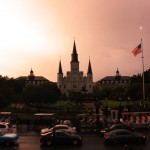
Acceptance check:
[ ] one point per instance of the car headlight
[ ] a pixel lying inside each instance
(103, 131)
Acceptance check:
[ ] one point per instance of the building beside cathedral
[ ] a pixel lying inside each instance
(75, 81)
(32, 79)
(116, 80)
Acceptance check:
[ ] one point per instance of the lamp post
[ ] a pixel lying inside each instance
(97, 106)
(54, 138)
(128, 101)
(120, 109)
(106, 108)
(106, 102)
(120, 101)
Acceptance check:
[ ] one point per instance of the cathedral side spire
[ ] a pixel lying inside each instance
(89, 68)
(60, 68)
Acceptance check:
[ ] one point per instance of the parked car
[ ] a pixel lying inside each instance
(60, 137)
(117, 126)
(124, 136)
(6, 127)
(59, 127)
(8, 138)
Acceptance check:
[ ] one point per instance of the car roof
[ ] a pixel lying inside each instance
(4, 123)
(125, 125)
(60, 125)
(119, 130)
(120, 124)
(57, 131)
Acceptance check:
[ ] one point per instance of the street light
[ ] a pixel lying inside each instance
(106, 102)
(106, 108)
(54, 138)
(128, 99)
(120, 101)
(120, 109)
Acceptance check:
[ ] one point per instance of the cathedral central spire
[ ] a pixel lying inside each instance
(74, 53)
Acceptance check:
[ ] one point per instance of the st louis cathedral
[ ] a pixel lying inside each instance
(75, 81)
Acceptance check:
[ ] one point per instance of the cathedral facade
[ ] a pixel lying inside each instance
(75, 81)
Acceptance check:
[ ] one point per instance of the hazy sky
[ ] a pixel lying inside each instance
(38, 33)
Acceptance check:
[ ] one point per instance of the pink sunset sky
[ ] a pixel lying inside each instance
(38, 34)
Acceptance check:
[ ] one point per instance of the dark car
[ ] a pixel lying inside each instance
(117, 126)
(62, 127)
(124, 136)
(60, 137)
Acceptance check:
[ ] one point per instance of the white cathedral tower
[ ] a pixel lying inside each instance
(75, 79)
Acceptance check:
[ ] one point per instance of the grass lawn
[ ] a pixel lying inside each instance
(115, 104)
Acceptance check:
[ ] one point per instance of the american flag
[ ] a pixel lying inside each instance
(137, 50)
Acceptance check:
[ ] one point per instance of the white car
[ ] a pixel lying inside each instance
(62, 127)
(6, 127)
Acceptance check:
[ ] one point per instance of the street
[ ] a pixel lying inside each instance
(30, 141)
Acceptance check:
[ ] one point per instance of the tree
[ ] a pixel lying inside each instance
(118, 92)
(42, 93)
(134, 91)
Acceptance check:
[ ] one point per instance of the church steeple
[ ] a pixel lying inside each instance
(118, 76)
(89, 68)
(31, 76)
(74, 53)
(31, 72)
(117, 72)
(60, 68)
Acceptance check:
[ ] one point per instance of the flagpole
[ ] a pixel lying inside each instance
(143, 72)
